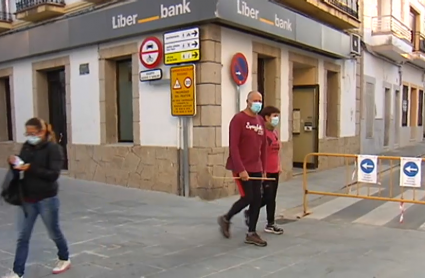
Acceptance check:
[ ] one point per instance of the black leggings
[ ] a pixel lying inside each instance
(250, 196)
(269, 196)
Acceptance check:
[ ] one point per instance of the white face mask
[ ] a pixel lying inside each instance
(274, 121)
(33, 140)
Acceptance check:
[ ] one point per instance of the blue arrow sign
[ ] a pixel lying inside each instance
(367, 166)
(410, 169)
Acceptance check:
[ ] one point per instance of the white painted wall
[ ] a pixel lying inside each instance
(157, 126)
(85, 107)
(382, 71)
(22, 87)
(85, 111)
(234, 41)
(348, 98)
(231, 43)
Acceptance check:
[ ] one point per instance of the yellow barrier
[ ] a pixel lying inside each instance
(395, 192)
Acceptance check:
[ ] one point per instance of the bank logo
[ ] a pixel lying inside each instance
(175, 10)
(284, 24)
(122, 21)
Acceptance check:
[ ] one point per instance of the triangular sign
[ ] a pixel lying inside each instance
(177, 85)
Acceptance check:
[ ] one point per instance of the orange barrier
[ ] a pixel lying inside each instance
(354, 189)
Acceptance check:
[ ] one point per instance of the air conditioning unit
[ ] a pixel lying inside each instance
(356, 47)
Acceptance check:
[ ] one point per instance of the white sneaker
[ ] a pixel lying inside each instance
(12, 275)
(61, 266)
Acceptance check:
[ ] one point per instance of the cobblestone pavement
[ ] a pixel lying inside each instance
(120, 232)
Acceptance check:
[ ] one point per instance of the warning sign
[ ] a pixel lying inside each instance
(177, 84)
(183, 98)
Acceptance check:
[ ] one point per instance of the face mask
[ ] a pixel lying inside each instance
(256, 107)
(274, 121)
(33, 140)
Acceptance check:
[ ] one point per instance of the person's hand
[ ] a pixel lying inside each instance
(264, 175)
(244, 175)
(24, 167)
(11, 159)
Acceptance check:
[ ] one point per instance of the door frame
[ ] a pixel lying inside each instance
(51, 101)
(316, 99)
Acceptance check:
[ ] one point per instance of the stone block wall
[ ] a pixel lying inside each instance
(207, 156)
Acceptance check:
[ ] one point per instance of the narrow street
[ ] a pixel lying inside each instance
(120, 232)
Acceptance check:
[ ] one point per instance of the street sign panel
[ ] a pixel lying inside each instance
(366, 169)
(239, 69)
(151, 52)
(183, 93)
(150, 75)
(410, 172)
(182, 46)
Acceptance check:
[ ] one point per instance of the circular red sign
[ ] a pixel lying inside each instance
(239, 69)
(150, 53)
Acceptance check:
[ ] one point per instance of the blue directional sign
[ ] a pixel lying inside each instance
(367, 166)
(410, 169)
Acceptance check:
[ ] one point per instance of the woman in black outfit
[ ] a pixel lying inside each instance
(40, 160)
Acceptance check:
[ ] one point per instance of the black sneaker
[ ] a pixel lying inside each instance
(273, 229)
(224, 226)
(255, 239)
(246, 215)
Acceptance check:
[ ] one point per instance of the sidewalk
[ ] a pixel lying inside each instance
(290, 194)
(115, 231)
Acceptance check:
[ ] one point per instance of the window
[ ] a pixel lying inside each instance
(332, 101)
(125, 101)
(405, 106)
(6, 124)
(370, 109)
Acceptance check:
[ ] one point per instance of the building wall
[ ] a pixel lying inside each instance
(383, 73)
(154, 163)
(234, 41)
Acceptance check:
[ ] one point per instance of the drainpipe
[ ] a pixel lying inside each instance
(361, 5)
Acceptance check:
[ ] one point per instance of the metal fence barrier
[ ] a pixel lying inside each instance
(387, 165)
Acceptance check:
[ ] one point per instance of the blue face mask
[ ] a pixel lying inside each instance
(33, 140)
(256, 107)
(274, 121)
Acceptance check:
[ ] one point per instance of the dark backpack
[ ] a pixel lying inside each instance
(11, 190)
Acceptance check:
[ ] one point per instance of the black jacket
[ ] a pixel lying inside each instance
(46, 161)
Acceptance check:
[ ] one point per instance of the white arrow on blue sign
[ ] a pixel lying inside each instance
(410, 171)
(366, 169)
(367, 166)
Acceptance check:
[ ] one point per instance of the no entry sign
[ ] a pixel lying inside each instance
(239, 69)
(151, 53)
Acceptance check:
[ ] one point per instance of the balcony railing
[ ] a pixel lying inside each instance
(388, 24)
(350, 7)
(6, 17)
(24, 5)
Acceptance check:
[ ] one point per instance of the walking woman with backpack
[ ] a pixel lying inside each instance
(38, 167)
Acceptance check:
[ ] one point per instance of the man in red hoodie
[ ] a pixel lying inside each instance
(247, 160)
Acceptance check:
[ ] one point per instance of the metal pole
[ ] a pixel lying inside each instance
(180, 154)
(186, 175)
(238, 98)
